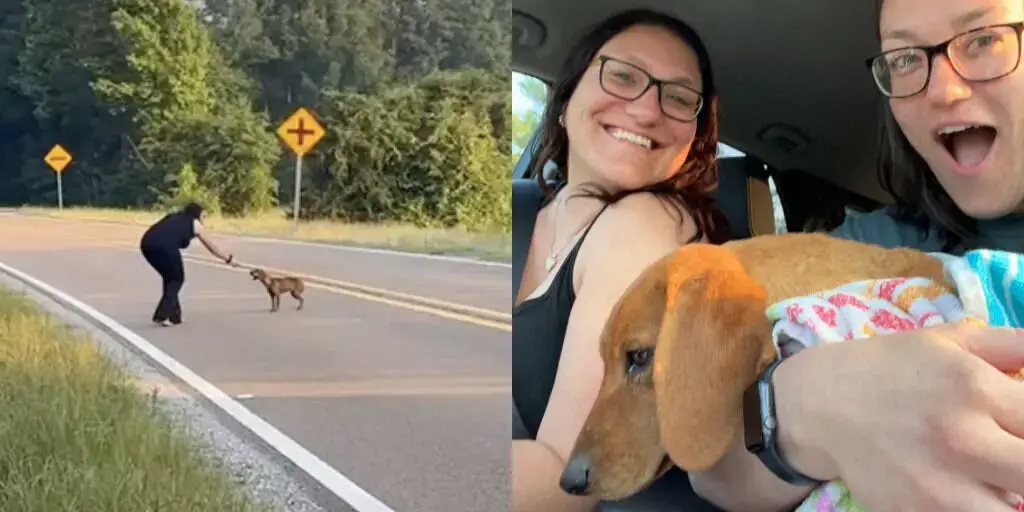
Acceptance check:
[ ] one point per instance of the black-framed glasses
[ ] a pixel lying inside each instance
(978, 55)
(628, 82)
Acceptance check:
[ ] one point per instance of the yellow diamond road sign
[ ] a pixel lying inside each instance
(57, 158)
(301, 131)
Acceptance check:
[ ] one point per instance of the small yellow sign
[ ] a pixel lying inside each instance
(301, 131)
(57, 158)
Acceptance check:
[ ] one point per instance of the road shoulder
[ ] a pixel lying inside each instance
(248, 464)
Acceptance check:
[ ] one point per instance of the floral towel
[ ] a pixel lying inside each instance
(989, 289)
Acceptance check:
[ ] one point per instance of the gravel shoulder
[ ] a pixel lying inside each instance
(269, 479)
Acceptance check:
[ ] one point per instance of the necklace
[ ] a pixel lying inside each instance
(552, 258)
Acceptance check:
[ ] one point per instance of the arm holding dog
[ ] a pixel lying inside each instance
(626, 239)
(921, 420)
(738, 482)
(889, 416)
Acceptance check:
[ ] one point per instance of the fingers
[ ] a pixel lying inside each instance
(931, 490)
(998, 346)
(979, 499)
(985, 452)
(956, 494)
(1008, 405)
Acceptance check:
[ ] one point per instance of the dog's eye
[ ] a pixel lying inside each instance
(638, 359)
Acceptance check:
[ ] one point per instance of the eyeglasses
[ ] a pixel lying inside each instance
(629, 82)
(978, 55)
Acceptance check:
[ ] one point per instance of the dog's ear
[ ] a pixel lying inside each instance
(713, 340)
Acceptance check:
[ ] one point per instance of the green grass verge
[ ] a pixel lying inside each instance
(78, 435)
(490, 246)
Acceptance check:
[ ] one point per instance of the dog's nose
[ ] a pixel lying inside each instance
(576, 475)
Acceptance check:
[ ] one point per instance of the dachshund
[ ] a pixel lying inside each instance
(690, 335)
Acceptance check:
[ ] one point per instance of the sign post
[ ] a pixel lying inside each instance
(58, 159)
(301, 131)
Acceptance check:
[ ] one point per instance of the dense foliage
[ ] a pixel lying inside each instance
(163, 100)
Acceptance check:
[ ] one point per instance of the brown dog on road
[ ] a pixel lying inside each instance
(276, 286)
(689, 336)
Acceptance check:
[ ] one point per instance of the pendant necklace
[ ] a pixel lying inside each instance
(552, 258)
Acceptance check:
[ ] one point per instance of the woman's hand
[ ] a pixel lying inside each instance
(922, 420)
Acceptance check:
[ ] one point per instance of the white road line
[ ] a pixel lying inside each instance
(371, 250)
(329, 477)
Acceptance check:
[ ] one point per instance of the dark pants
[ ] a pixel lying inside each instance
(167, 262)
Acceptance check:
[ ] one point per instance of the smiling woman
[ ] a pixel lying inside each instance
(529, 94)
(629, 133)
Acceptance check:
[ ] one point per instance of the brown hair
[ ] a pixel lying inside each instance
(690, 188)
(920, 200)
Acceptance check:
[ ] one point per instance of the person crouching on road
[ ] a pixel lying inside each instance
(162, 244)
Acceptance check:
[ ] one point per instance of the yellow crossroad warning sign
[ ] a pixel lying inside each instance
(301, 131)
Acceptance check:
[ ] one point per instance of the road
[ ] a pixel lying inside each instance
(410, 404)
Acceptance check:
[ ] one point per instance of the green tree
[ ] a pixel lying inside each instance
(185, 188)
(189, 106)
(160, 101)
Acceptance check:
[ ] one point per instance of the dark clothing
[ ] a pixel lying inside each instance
(881, 227)
(161, 245)
(539, 325)
(538, 333)
(174, 230)
(167, 262)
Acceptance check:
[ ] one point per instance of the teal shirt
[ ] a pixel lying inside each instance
(880, 228)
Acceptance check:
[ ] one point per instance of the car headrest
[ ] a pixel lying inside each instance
(744, 197)
(731, 195)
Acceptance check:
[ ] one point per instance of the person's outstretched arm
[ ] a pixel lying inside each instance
(210, 246)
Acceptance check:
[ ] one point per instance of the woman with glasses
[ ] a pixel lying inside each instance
(631, 129)
(923, 420)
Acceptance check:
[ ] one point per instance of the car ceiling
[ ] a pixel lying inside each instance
(786, 70)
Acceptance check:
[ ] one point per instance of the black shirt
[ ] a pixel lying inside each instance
(539, 325)
(175, 230)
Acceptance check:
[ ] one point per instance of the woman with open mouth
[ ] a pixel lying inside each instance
(925, 419)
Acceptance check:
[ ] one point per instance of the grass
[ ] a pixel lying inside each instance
(491, 246)
(77, 434)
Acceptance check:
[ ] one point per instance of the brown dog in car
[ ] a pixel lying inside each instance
(689, 336)
(277, 286)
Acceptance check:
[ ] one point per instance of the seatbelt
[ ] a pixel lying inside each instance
(527, 198)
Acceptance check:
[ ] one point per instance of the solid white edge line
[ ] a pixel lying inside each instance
(329, 477)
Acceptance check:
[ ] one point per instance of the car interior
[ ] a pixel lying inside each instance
(795, 101)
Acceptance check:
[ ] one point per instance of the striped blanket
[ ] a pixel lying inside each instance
(989, 289)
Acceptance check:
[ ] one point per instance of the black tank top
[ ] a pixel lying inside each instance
(175, 230)
(538, 333)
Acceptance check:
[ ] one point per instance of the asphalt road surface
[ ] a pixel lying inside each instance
(408, 403)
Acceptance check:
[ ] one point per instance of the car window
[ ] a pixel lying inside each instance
(780, 214)
(528, 97)
(529, 94)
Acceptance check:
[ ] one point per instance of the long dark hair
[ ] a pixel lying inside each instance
(690, 188)
(193, 209)
(920, 199)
